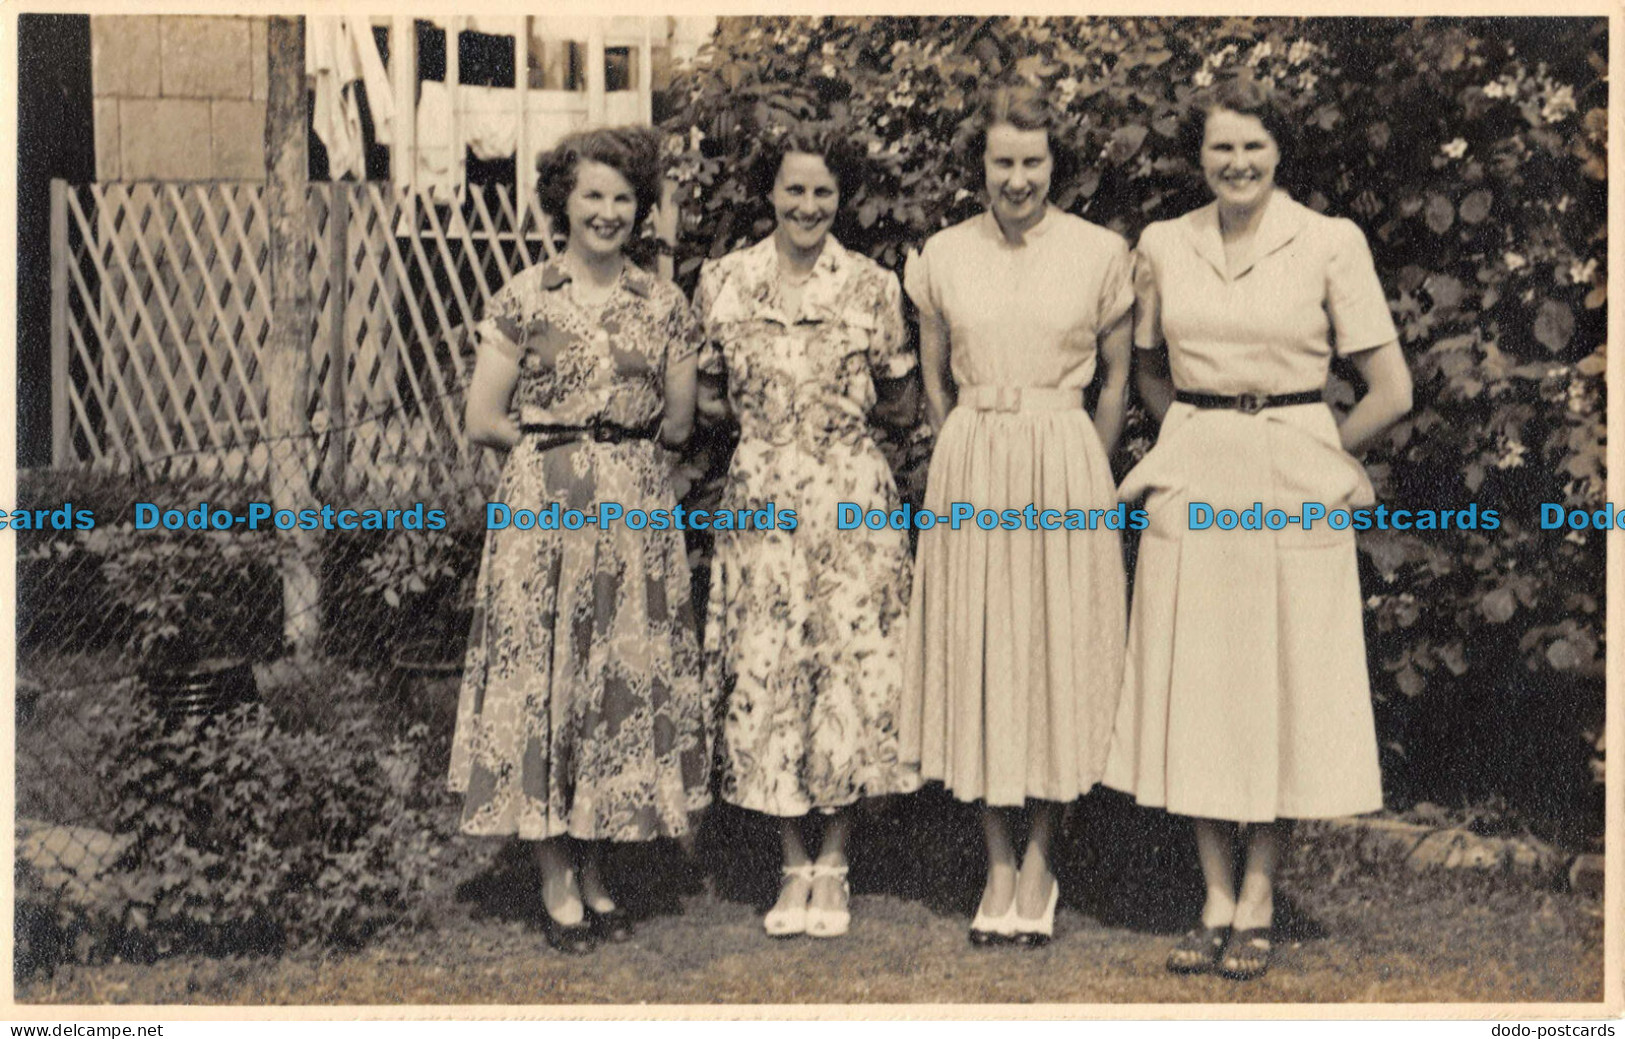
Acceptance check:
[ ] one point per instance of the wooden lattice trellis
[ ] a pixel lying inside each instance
(161, 305)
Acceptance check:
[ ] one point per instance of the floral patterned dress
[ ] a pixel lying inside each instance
(581, 711)
(804, 628)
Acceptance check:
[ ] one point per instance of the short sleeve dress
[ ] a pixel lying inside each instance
(804, 628)
(581, 712)
(1246, 695)
(1015, 642)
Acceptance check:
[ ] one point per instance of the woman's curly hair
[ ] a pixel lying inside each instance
(631, 151)
(1026, 108)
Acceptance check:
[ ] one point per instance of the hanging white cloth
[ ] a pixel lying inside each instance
(339, 51)
(335, 116)
(490, 121)
(435, 172)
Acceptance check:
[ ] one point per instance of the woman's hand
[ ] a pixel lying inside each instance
(682, 392)
(711, 406)
(1153, 381)
(485, 418)
(1116, 357)
(1387, 396)
(938, 380)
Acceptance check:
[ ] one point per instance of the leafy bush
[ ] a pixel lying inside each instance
(1472, 152)
(247, 837)
(82, 590)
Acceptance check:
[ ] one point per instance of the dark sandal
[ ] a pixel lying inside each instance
(1247, 954)
(1198, 952)
(576, 940)
(613, 926)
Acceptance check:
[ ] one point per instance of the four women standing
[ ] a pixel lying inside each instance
(583, 712)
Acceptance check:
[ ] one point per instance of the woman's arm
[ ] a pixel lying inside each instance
(939, 383)
(1152, 379)
(682, 391)
(485, 418)
(1116, 357)
(1387, 396)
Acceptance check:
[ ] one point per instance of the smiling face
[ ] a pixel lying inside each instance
(1018, 166)
(1238, 159)
(805, 198)
(601, 209)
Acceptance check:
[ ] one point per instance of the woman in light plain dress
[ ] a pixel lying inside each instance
(1016, 635)
(1246, 702)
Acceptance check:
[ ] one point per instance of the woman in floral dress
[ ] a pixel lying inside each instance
(804, 627)
(581, 718)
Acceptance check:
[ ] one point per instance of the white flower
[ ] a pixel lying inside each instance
(1559, 105)
(1300, 52)
(961, 195)
(1582, 273)
(695, 136)
(1373, 602)
(874, 146)
(1455, 149)
(1575, 537)
(1511, 455)
(1514, 261)
(1495, 89)
(1260, 52)
(1307, 80)
(1203, 78)
(1068, 89)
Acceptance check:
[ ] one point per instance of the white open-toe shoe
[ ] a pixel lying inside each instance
(789, 921)
(831, 923)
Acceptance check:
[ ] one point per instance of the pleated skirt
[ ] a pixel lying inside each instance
(1015, 637)
(1246, 695)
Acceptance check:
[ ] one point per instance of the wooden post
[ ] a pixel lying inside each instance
(338, 287)
(61, 442)
(596, 103)
(524, 166)
(286, 355)
(454, 96)
(403, 155)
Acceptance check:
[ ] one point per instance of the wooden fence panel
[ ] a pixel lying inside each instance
(161, 303)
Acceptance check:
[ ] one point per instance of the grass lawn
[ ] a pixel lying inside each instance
(1353, 933)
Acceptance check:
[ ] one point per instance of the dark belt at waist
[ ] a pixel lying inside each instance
(598, 430)
(1247, 403)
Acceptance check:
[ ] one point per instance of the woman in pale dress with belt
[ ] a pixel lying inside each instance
(1246, 701)
(1016, 636)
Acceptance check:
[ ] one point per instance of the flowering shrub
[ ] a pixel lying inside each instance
(1472, 153)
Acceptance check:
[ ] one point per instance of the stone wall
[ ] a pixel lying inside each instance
(178, 97)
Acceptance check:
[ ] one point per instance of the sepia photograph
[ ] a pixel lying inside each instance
(810, 514)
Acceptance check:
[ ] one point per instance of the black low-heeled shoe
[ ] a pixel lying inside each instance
(574, 940)
(613, 926)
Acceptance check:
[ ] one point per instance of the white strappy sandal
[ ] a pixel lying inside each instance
(787, 922)
(831, 923)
